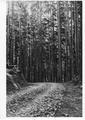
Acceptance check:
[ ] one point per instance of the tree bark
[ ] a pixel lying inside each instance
(59, 37)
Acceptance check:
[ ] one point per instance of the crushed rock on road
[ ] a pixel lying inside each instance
(43, 100)
(46, 100)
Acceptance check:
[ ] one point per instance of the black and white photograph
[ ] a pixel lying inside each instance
(44, 58)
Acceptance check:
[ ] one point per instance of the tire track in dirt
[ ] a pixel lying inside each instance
(22, 92)
(25, 98)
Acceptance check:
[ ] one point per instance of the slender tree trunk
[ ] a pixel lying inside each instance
(11, 42)
(75, 33)
(66, 51)
(27, 55)
(80, 47)
(13, 34)
(59, 37)
(77, 43)
(53, 54)
(19, 52)
(72, 58)
(69, 44)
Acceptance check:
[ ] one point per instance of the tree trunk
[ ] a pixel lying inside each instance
(59, 37)
(80, 47)
(72, 58)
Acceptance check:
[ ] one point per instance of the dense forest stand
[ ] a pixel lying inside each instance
(47, 41)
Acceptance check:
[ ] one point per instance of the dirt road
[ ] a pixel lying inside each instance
(36, 100)
(41, 99)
